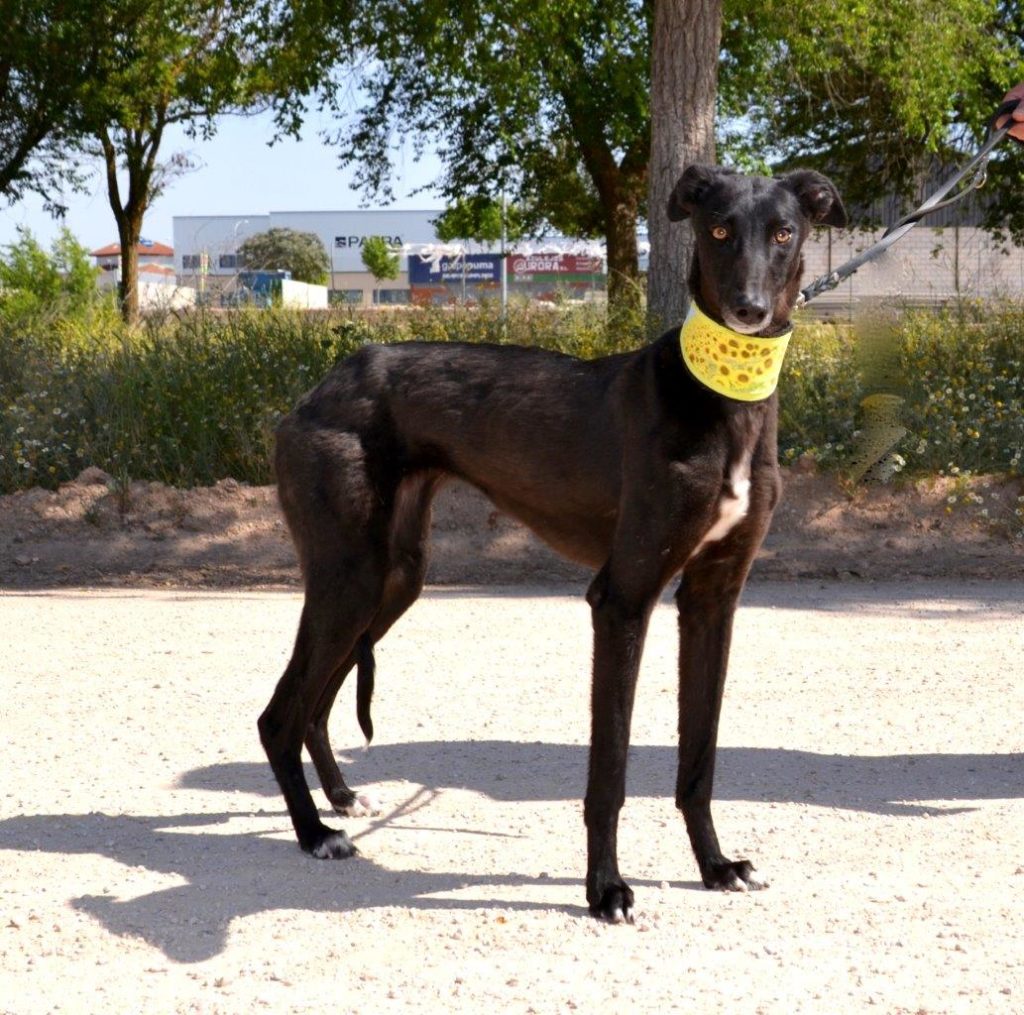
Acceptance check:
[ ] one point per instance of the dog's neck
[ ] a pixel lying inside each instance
(741, 367)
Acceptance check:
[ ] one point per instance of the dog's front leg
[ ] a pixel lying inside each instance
(707, 598)
(620, 620)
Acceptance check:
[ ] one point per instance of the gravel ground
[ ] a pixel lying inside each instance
(872, 764)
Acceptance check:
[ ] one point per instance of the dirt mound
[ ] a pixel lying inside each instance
(92, 532)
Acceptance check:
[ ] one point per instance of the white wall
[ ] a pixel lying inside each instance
(926, 264)
(303, 295)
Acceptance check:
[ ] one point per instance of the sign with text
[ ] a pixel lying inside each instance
(522, 267)
(472, 268)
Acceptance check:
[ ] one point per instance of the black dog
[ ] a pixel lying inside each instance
(629, 464)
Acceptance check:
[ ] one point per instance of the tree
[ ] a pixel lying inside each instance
(51, 53)
(552, 103)
(879, 96)
(63, 280)
(179, 62)
(86, 78)
(684, 80)
(279, 249)
(379, 259)
(480, 218)
(547, 103)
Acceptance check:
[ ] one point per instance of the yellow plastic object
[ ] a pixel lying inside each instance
(744, 367)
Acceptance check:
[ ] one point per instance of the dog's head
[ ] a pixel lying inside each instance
(748, 234)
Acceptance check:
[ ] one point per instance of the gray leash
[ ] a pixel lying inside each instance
(934, 203)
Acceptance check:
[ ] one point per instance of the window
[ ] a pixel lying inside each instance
(189, 262)
(391, 297)
(231, 261)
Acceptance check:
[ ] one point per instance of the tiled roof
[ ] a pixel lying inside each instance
(145, 247)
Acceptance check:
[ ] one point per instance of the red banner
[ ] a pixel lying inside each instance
(553, 264)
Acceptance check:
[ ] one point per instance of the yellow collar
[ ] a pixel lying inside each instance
(743, 367)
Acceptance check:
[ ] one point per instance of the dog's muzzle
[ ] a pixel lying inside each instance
(743, 367)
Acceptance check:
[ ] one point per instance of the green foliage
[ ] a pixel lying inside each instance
(963, 372)
(277, 249)
(176, 62)
(959, 380)
(33, 281)
(458, 74)
(380, 261)
(819, 393)
(49, 56)
(585, 331)
(183, 402)
(873, 94)
(547, 103)
(193, 400)
(479, 218)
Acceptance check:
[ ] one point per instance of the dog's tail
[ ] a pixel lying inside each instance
(365, 668)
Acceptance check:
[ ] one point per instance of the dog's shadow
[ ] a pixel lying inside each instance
(510, 771)
(229, 874)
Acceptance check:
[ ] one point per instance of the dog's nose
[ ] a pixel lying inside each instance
(750, 310)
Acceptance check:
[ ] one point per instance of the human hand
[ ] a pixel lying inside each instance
(1016, 116)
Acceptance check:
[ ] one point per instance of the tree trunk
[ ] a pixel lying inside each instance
(128, 233)
(623, 257)
(684, 80)
(139, 147)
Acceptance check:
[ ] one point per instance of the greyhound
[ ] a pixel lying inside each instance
(643, 466)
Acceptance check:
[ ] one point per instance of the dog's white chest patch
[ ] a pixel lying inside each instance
(732, 505)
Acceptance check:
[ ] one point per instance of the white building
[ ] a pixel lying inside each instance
(206, 246)
(158, 280)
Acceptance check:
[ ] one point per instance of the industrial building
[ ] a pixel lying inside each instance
(932, 265)
(206, 248)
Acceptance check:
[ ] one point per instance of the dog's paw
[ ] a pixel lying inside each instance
(615, 904)
(362, 805)
(735, 876)
(333, 846)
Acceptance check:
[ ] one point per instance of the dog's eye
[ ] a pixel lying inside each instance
(719, 232)
(783, 235)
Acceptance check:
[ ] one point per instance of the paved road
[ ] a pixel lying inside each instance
(872, 764)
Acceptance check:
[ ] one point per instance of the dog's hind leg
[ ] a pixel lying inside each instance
(342, 594)
(410, 528)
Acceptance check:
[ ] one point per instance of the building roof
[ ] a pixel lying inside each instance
(155, 269)
(148, 248)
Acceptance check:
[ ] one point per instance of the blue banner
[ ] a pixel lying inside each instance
(474, 268)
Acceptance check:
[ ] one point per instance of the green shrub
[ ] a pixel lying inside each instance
(819, 394)
(35, 283)
(963, 377)
(182, 401)
(194, 398)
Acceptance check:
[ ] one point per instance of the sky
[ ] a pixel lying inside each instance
(239, 173)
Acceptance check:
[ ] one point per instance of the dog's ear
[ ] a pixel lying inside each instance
(692, 186)
(817, 195)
